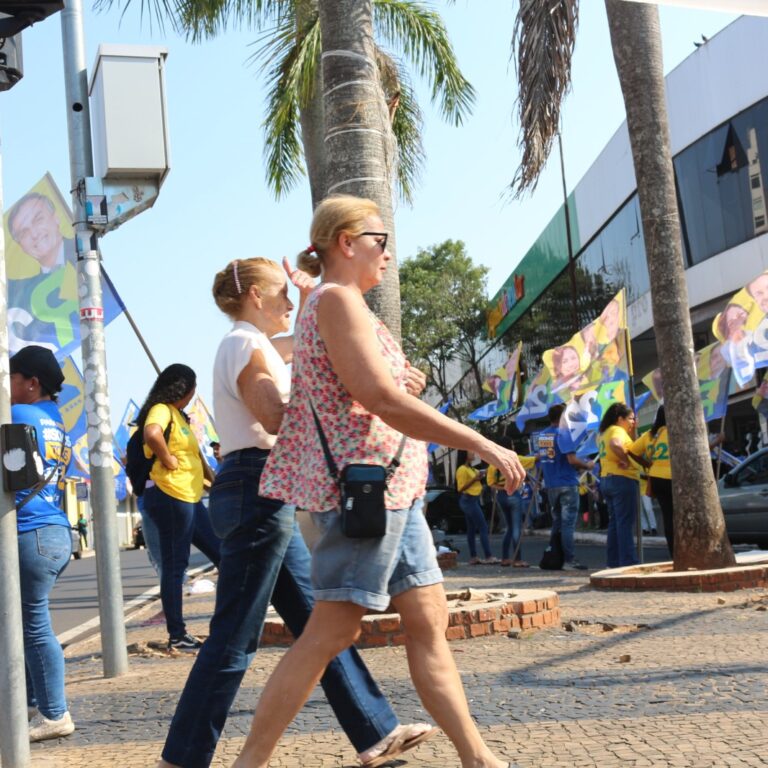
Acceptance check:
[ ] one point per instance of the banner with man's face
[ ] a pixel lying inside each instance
(40, 261)
(742, 329)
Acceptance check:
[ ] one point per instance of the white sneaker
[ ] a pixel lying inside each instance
(31, 712)
(41, 728)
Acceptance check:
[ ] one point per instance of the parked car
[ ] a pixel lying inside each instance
(744, 499)
(138, 536)
(443, 511)
(77, 551)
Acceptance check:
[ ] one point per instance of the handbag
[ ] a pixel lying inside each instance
(362, 488)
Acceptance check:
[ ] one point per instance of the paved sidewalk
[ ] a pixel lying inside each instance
(642, 679)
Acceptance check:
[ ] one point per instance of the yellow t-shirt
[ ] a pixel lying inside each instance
(494, 476)
(609, 462)
(186, 482)
(656, 451)
(463, 475)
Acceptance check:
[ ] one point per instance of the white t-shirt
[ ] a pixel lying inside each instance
(236, 425)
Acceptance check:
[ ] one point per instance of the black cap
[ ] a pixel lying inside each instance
(41, 363)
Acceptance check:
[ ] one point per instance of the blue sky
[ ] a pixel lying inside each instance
(214, 205)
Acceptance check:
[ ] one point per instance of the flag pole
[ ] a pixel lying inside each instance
(722, 426)
(631, 371)
(131, 321)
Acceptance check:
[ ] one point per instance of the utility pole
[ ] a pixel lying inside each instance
(14, 730)
(112, 621)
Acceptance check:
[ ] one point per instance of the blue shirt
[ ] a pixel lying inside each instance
(47, 508)
(558, 472)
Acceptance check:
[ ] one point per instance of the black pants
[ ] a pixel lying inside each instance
(662, 491)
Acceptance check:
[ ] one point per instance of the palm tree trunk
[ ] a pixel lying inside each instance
(700, 537)
(311, 115)
(358, 136)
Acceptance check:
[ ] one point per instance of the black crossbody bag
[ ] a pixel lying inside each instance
(362, 488)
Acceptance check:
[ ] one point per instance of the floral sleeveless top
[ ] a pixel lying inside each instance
(296, 470)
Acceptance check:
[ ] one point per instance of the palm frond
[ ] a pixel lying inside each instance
(543, 42)
(290, 64)
(419, 32)
(407, 122)
(157, 12)
(205, 19)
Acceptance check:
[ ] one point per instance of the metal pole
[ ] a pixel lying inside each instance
(105, 534)
(14, 731)
(571, 260)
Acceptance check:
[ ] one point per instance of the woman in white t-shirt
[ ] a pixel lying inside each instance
(263, 557)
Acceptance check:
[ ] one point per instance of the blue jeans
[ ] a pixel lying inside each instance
(180, 524)
(151, 537)
(43, 554)
(564, 506)
(620, 494)
(512, 509)
(263, 557)
(473, 514)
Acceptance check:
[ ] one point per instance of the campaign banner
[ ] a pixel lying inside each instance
(72, 407)
(742, 329)
(40, 259)
(125, 430)
(593, 357)
(714, 376)
(203, 427)
(504, 385)
(583, 413)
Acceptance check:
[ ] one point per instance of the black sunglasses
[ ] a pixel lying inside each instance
(382, 235)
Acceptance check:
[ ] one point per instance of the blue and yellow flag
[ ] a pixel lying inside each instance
(504, 384)
(43, 306)
(742, 329)
(72, 407)
(714, 375)
(592, 358)
(202, 425)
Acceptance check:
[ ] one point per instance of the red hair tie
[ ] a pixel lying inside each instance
(311, 249)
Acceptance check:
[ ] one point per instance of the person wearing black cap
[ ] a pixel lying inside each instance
(45, 541)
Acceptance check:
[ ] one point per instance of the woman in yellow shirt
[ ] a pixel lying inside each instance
(469, 484)
(172, 497)
(619, 483)
(655, 444)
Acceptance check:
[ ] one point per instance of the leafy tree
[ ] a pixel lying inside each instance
(545, 32)
(443, 297)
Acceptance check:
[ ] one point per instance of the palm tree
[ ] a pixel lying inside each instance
(289, 52)
(544, 34)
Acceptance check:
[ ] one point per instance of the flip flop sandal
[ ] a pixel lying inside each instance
(402, 742)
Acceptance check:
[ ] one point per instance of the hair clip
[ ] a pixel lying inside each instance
(237, 277)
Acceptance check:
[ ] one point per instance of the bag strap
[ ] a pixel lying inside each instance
(333, 468)
(45, 479)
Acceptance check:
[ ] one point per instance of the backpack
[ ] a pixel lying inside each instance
(553, 557)
(137, 465)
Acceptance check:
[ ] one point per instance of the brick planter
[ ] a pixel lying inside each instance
(470, 614)
(447, 560)
(751, 571)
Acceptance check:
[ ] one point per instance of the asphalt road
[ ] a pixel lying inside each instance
(74, 598)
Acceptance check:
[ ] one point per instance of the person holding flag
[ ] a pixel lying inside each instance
(655, 444)
(561, 480)
(619, 482)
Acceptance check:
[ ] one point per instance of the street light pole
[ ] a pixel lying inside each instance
(100, 444)
(14, 730)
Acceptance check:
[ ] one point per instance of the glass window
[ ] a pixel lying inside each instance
(721, 185)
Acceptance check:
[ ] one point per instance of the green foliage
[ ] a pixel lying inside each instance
(443, 297)
(290, 59)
